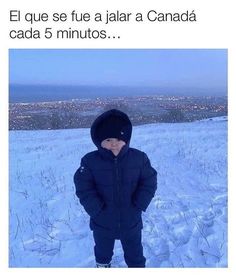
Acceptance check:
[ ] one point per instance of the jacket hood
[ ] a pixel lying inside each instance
(118, 117)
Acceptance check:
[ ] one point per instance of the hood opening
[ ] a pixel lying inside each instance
(110, 124)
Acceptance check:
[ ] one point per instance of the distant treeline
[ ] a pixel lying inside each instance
(68, 120)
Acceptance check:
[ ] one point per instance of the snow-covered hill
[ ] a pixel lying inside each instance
(185, 225)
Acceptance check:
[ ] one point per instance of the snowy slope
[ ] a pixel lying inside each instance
(185, 225)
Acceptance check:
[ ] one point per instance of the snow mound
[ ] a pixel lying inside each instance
(184, 226)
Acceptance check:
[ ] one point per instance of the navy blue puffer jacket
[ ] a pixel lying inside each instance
(114, 190)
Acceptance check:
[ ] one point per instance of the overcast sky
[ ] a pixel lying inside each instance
(204, 68)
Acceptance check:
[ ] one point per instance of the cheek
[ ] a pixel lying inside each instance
(120, 147)
(107, 146)
(122, 144)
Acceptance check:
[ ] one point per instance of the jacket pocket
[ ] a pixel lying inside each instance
(131, 216)
(104, 219)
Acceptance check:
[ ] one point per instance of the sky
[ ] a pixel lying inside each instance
(198, 68)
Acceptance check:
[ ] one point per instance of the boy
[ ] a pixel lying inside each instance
(115, 184)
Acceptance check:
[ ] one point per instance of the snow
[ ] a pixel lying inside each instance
(184, 226)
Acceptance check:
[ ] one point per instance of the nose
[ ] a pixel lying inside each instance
(113, 143)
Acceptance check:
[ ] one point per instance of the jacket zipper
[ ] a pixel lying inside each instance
(118, 190)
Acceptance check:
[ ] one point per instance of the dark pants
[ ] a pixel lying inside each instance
(132, 247)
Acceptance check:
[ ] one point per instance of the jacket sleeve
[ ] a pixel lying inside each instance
(147, 185)
(86, 191)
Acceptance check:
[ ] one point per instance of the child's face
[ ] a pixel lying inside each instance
(113, 144)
